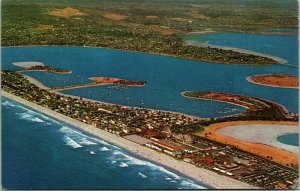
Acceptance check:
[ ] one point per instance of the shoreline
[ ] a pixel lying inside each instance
(249, 79)
(202, 175)
(160, 54)
(279, 155)
(36, 82)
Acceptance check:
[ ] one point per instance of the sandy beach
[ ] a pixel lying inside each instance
(199, 174)
(36, 82)
(253, 143)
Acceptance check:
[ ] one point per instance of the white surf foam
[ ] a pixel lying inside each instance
(84, 141)
(123, 165)
(70, 142)
(191, 185)
(7, 103)
(139, 162)
(92, 153)
(71, 132)
(66, 129)
(104, 149)
(162, 169)
(142, 175)
(24, 115)
(29, 117)
(36, 119)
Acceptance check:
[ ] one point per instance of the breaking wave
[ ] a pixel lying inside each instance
(191, 184)
(84, 141)
(142, 175)
(7, 103)
(104, 149)
(30, 117)
(70, 142)
(123, 165)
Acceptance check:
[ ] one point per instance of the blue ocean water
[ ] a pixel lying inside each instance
(39, 152)
(289, 139)
(166, 77)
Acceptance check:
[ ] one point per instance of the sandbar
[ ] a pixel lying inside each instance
(28, 64)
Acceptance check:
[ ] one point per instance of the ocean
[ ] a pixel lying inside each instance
(39, 152)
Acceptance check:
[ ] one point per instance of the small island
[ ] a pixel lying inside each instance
(101, 81)
(49, 69)
(275, 80)
(107, 80)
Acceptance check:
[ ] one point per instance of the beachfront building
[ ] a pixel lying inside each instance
(169, 147)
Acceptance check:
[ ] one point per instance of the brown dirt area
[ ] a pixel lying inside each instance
(105, 80)
(199, 16)
(66, 13)
(178, 19)
(280, 156)
(276, 80)
(114, 16)
(164, 30)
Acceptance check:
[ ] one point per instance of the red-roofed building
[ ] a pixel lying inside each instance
(209, 160)
(169, 146)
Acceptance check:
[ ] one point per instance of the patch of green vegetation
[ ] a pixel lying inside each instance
(48, 69)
